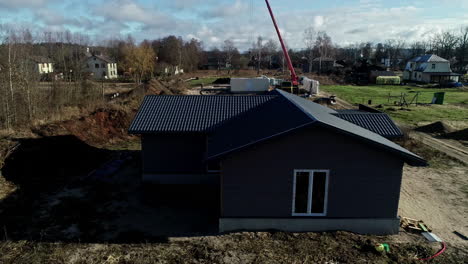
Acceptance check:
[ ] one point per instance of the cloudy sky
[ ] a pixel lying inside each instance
(213, 21)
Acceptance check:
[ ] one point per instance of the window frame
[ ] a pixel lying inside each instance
(309, 194)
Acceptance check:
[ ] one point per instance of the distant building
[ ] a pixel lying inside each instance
(374, 74)
(429, 69)
(101, 67)
(44, 65)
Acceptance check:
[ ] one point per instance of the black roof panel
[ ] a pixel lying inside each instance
(190, 113)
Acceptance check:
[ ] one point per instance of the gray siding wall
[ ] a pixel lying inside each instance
(173, 153)
(364, 181)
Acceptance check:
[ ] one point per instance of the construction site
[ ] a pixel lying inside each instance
(189, 169)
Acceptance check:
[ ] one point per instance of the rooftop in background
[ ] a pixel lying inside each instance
(41, 59)
(429, 58)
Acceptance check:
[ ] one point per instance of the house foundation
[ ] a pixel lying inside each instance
(375, 226)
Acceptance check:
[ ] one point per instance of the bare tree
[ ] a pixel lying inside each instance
(393, 48)
(324, 47)
(309, 41)
(270, 50)
(228, 51)
(462, 50)
(445, 43)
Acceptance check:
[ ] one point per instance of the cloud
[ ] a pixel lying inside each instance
(236, 9)
(23, 3)
(213, 21)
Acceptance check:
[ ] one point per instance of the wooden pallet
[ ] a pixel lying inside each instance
(414, 225)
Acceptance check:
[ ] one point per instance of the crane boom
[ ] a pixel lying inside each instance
(294, 78)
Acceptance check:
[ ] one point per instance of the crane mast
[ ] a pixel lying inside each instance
(294, 78)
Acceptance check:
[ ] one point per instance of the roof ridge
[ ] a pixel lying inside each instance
(283, 94)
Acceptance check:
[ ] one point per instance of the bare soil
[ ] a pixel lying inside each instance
(439, 197)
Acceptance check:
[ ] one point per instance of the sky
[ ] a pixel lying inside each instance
(214, 21)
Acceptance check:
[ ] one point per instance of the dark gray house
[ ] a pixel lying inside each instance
(281, 162)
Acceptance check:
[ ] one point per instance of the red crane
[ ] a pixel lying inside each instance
(294, 78)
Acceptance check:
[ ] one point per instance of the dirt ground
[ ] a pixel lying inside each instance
(439, 197)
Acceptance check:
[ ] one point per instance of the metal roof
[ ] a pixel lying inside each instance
(429, 58)
(190, 113)
(309, 113)
(236, 122)
(379, 123)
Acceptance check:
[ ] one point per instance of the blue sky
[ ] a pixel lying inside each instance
(213, 21)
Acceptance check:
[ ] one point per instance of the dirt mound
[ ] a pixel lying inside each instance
(436, 128)
(458, 135)
(170, 87)
(103, 126)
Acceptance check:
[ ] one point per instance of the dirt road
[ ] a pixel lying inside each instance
(458, 152)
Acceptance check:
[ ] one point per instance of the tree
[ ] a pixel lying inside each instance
(309, 41)
(462, 49)
(270, 49)
(379, 53)
(229, 51)
(393, 49)
(258, 48)
(324, 47)
(140, 61)
(445, 43)
(366, 50)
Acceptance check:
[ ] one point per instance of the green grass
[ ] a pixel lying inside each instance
(204, 81)
(455, 107)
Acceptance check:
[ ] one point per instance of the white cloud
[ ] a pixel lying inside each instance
(22, 3)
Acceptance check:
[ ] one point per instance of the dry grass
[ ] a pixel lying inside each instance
(337, 247)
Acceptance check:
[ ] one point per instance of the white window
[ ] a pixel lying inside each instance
(310, 192)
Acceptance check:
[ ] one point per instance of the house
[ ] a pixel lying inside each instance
(429, 69)
(101, 67)
(281, 162)
(44, 65)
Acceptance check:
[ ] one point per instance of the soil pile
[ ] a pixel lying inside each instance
(171, 87)
(101, 127)
(436, 128)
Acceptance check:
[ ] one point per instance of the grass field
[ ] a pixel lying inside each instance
(455, 107)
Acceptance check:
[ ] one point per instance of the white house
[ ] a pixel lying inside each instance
(43, 65)
(101, 67)
(429, 69)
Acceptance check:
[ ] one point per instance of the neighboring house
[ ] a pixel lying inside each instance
(101, 67)
(173, 70)
(429, 69)
(44, 65)
(281, 162)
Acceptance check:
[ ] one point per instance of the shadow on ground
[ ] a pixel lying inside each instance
(69, 191)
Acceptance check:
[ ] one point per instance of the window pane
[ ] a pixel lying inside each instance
(318, 193)
(302, 192)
